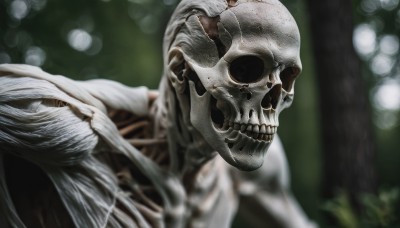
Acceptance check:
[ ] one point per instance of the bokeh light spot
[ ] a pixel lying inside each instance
(369, 6)
(79, 39)
(35, 56)
(364, 39)
(382, 64)
(149, 24)
(95, 48)
(386, 120)
(4, 58)
(387, 96)
(389, 44)
(18, 9)
(389, 4)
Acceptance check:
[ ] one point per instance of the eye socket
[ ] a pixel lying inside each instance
(247, 69)
(288, 76)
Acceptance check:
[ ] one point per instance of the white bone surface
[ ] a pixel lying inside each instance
(186, 160)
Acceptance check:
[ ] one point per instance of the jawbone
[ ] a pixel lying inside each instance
(241, 148)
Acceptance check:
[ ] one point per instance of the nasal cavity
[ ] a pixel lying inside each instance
(271, 99)
(246, 69)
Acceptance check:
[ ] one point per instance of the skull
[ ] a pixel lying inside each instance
(235, 73)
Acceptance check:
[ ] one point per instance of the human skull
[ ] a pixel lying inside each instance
(238, 69)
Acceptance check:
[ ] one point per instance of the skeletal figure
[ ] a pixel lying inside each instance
(100, 154)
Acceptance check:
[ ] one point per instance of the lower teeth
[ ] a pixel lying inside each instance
(253, 135)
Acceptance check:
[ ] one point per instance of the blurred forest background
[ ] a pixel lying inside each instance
(121, 40)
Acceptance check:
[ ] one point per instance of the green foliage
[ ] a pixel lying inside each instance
(381, 210)
(341, 209)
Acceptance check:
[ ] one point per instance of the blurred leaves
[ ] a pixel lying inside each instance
(341, 209)
(381, 210)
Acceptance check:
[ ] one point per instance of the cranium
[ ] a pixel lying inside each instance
(234, 72)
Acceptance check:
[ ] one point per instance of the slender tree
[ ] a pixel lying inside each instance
(348, 145)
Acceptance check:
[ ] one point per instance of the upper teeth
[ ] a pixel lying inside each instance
(261, 132)
(255, 128)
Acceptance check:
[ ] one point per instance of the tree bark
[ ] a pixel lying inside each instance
(348, 145)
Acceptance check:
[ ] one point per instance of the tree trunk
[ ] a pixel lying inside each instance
(348, 146)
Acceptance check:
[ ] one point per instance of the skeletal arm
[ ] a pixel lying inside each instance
(265, 197)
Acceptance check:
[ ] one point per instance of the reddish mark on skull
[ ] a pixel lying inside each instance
(231, 3)
(210, 26)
